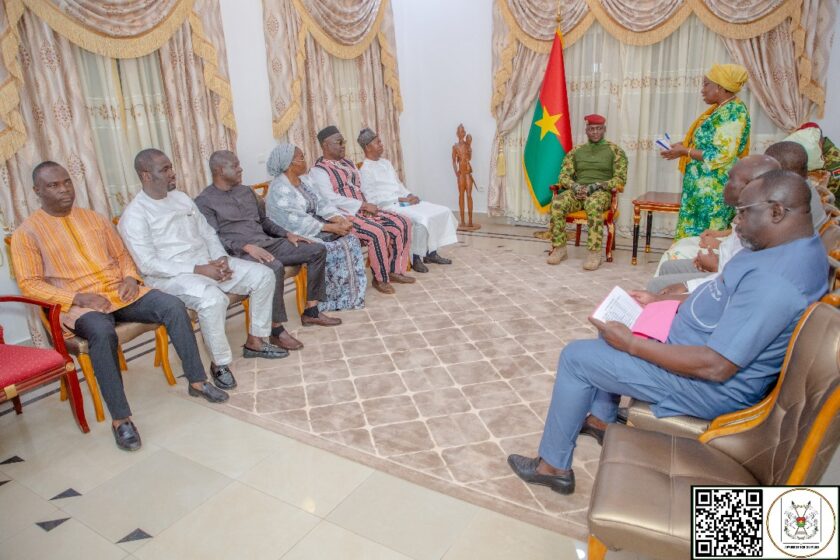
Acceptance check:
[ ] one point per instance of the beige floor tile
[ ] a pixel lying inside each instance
(491, 536)
(222, 443)
(403, 517)
(21, 508)
(308, 478)
(150, 496)
(331, 542)
(238, 522)
(69, 541)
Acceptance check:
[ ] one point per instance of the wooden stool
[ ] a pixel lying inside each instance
(651, 201)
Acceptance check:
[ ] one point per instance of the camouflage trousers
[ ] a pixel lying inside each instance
(594, 205)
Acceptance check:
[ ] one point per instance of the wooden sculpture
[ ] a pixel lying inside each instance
(461, 156)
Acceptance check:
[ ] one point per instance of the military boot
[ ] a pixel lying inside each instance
(557, 255)
(593, 261)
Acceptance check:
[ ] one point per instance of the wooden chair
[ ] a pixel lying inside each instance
(25, 368)
(610, 216)
(791, 444)
(126, 332)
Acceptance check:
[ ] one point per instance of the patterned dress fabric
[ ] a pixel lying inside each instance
(721, 137)
(301, 211)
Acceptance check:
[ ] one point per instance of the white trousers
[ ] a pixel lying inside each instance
(249, 278)
(433, 226)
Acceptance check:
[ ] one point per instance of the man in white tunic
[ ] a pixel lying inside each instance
(178, 252)
(433, 225)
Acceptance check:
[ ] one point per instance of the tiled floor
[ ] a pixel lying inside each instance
(206, 485)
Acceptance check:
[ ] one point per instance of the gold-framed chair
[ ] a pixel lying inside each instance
(791, 444)
(610, 216)
(126, 332)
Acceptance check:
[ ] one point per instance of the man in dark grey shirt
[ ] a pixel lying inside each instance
(238, 216)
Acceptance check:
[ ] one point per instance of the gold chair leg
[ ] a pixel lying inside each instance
(93, 387)
(597, 549)
(162, 350)
(62, 388)
(121, 356)
(300, 289)
(246, 305)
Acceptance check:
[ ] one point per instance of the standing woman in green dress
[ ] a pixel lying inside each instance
(715, 141)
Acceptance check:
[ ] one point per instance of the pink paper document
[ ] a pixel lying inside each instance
(652, 321)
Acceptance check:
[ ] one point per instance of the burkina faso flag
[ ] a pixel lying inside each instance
(550, 137)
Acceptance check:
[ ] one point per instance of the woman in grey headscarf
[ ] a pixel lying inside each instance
(293, 204)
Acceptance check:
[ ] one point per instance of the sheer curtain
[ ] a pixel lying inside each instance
(127, 111)
(643, 92)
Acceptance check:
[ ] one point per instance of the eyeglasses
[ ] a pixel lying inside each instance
(742, 209)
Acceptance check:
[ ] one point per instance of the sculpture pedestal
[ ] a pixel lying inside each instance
(465, 227)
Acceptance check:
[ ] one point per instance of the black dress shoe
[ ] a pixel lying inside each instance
(222, 377)
(210, 393)
(589, 430)
(417, 265)
(434, 258)
(526, 469)
(127, 436)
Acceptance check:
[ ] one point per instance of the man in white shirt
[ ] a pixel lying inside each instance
(433, 225)
(179, 253)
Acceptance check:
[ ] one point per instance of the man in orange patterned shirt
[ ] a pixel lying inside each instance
(73, 257)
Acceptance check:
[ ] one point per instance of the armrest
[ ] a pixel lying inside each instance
(53, 311)
(261, 189)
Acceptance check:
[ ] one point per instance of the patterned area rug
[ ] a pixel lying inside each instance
(439, 383)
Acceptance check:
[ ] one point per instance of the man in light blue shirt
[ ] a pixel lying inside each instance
(726, 344)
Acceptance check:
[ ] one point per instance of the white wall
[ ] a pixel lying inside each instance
(830, 123)
(444, 57)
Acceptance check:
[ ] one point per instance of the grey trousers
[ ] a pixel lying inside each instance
(154, 307)
(674, 272)
(313, 255)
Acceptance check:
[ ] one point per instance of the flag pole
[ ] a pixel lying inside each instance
(546, 233)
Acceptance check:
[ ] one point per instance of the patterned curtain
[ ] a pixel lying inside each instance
(797, 34)
(40, 75)
(643, 91)
(127, 111)
(332, 62)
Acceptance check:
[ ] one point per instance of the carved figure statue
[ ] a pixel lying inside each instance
(461, 156)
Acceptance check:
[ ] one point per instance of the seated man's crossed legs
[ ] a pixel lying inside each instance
(314, 256)
(564, 204)
(590, 376)
(98, 329)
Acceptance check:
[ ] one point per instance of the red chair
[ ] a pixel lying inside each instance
(24, 368)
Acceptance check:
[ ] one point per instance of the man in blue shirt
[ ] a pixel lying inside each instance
(726, 344)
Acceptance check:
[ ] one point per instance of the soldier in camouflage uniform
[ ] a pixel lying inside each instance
(590, 173)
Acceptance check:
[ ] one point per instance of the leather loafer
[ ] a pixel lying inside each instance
(384, 287)
(209, 392)
(267, 351)
(321, 320)
(526, 469)
(126, 436)
(589, 430)
(418, 266)
(402, 278)
(434, 258)
(222, 377)
(285, 341)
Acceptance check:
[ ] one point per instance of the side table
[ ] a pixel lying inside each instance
(651, 201)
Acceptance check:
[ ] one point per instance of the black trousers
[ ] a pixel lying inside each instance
(313, 255)
(154, 307)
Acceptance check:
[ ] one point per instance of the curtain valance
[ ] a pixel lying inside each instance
(345, 29)
(645, 22)
(113, 28)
